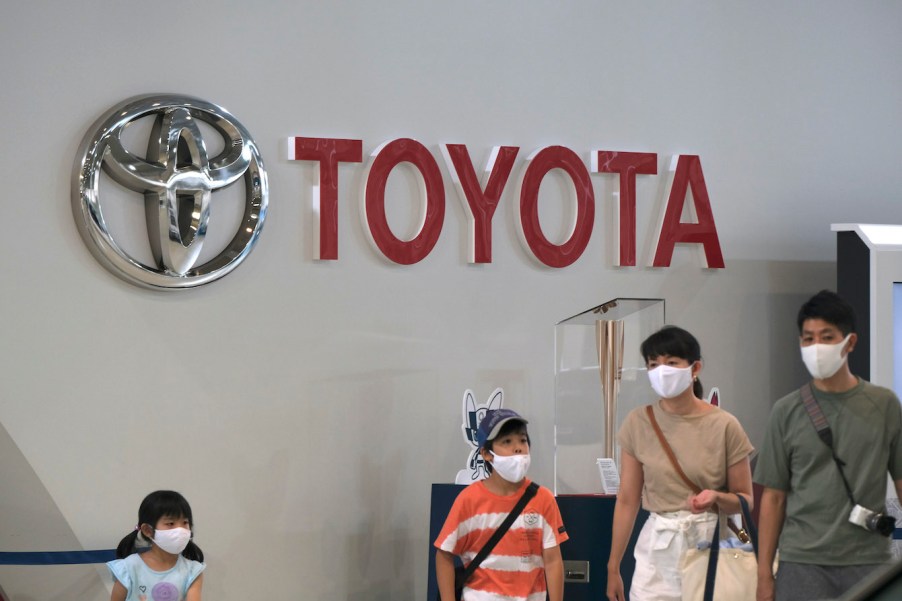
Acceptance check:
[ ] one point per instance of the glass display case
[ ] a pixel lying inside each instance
(599, 377)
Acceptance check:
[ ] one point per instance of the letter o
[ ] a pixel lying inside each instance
(553, 255)
(432, 197)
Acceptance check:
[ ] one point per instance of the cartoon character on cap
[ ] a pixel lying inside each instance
(504, 445)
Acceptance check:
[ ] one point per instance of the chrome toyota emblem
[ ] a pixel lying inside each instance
(179, 182)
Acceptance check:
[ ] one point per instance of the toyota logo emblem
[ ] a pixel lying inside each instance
(179, 182)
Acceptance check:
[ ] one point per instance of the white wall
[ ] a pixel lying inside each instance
(305, 408)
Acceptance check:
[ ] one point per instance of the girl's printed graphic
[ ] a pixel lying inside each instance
(164, 591)
(472, 415)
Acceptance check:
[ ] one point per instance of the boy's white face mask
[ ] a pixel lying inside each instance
(511, 467)
(824, 360)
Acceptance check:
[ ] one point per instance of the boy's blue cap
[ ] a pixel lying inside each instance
(492, 422)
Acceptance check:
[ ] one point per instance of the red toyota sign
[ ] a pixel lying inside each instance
(480, 202)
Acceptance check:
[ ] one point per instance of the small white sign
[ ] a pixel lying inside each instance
(610, 478)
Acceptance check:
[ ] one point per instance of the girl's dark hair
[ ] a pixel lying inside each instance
(676, 342)
(514, 426)
(156, 505)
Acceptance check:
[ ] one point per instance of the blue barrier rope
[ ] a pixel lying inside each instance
(45, 558)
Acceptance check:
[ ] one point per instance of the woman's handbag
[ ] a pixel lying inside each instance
(722, 574)
(462, 574)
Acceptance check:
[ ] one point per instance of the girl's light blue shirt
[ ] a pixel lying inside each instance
(144, 584)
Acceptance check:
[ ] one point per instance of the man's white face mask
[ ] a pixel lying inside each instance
(824, 360)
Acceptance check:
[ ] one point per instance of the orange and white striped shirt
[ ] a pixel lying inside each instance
(514, 570)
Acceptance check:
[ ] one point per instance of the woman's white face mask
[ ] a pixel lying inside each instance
(669, 381)
(824, 360)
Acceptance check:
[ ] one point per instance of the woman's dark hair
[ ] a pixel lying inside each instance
(514, 426)
(830, 307)
(157, 505)
(676, 342)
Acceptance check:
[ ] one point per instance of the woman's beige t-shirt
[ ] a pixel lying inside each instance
(705, 445)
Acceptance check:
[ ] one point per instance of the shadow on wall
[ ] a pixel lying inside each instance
(777, 316)
(53, 583)
(745, 320)
(783, 331)
(327, 505)
(31, 521)
(382, 545)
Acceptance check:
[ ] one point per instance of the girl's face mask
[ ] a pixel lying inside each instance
(173, 540)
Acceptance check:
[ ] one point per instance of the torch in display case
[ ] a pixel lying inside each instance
(597, 364)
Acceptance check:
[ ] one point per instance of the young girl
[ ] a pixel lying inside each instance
(158, 561)
(710, 446)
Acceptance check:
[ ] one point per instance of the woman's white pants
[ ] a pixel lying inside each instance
(663, 539)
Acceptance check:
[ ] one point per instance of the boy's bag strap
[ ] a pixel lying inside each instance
(740, 532)
(824, 432)
(528, 494)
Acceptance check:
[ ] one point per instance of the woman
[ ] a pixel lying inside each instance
(712, 450)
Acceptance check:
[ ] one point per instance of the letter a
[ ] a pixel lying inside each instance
(688, 175)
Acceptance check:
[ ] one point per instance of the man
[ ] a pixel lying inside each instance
(808, 492)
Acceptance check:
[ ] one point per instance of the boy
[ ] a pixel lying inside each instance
(526, 562)
(805, 504)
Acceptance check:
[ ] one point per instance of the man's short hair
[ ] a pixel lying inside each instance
(830, 307)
